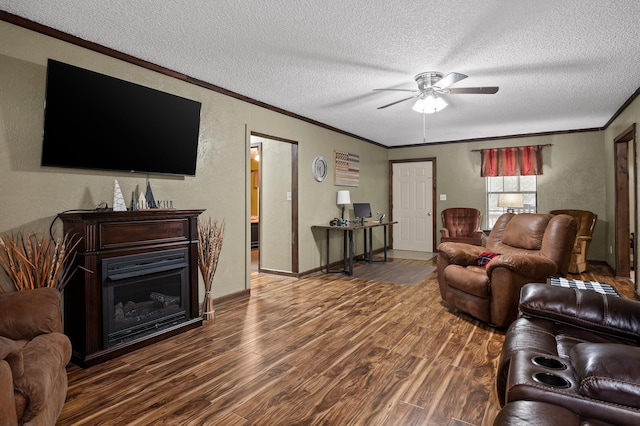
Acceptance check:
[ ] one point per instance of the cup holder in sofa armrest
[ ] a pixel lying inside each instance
(552, 380)
(550, 363)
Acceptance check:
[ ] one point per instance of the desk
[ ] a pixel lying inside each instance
(347, 243)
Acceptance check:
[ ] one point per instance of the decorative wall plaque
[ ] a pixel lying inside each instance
(347, 169)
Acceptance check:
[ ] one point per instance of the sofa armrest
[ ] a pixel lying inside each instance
(45, 358)
(460, 253)
(444, 232)
(28, 313)
(533, 266)
(608, 372)
(590, 310)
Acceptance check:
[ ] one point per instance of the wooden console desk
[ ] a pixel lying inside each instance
(347, 243)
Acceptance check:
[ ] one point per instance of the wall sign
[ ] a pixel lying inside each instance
(347, 169)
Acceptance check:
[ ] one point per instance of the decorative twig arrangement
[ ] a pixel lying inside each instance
(33, 262)
(210, 236)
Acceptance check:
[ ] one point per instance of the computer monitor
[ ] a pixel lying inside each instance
(361, 210)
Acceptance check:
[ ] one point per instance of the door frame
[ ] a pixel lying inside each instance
(622, 200)
(294, 205)
(434, 178)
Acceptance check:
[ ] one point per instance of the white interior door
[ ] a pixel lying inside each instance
(413, 206)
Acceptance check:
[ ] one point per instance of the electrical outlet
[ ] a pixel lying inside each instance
(289, 196)
(443, 197)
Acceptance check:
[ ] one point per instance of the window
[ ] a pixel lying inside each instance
(525, 185)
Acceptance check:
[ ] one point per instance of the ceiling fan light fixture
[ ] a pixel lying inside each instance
(429, 104)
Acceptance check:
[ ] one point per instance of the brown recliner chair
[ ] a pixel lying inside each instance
(462, 225)
(33, 355)
(586, 221)
(485, 282)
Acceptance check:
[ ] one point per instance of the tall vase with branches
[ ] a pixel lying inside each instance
(32, 261)
(210, 237)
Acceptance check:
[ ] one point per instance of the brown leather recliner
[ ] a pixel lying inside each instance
(528, 247)
(462, 225)
(586, 221)
(572, 351)
(33, 355)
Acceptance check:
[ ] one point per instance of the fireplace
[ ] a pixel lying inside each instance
(142, 294)
(137, 281)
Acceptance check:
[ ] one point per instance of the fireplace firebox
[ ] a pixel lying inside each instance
(137, 282)
(142, 294)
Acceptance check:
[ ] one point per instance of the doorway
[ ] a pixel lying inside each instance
(625, 202)
(274, 204)
(411, 193)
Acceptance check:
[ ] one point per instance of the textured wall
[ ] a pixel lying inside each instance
(32, 195)
(574, 176)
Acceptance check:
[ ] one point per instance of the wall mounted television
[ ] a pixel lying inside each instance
(94, 121)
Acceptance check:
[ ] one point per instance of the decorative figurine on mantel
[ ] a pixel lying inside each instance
(142, 202)
(118, 199)
(134, 204)
(151, 202)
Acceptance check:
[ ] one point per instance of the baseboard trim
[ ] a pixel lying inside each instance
(277, 272)
(232, 297)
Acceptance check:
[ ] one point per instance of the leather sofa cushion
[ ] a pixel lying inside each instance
(526, 231)
(608, 372)
(471, 280)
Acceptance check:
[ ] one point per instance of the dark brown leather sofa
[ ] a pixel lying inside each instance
(33, 356)
(572, 355)
(532, 247)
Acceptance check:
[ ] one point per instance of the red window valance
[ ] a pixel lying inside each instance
(512, 161)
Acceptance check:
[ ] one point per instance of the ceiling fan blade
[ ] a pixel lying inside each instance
(395, 90)
(449, 79)
(490, 90)
(396, 102)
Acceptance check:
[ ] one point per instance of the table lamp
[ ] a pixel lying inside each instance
(510, 201)
(344, 198)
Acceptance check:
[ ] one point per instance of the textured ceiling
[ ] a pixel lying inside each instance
(560, 65)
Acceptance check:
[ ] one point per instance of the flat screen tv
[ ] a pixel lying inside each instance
(94, 121)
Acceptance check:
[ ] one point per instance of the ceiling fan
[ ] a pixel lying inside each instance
(431, 85)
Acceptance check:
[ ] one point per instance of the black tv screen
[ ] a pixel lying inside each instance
(362, 210)
(94, 121)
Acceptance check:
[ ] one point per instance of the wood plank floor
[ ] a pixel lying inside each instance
(326, 349)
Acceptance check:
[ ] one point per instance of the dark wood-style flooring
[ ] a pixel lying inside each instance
(326, 349)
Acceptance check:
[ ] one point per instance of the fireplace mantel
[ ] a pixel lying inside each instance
(107, 235)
